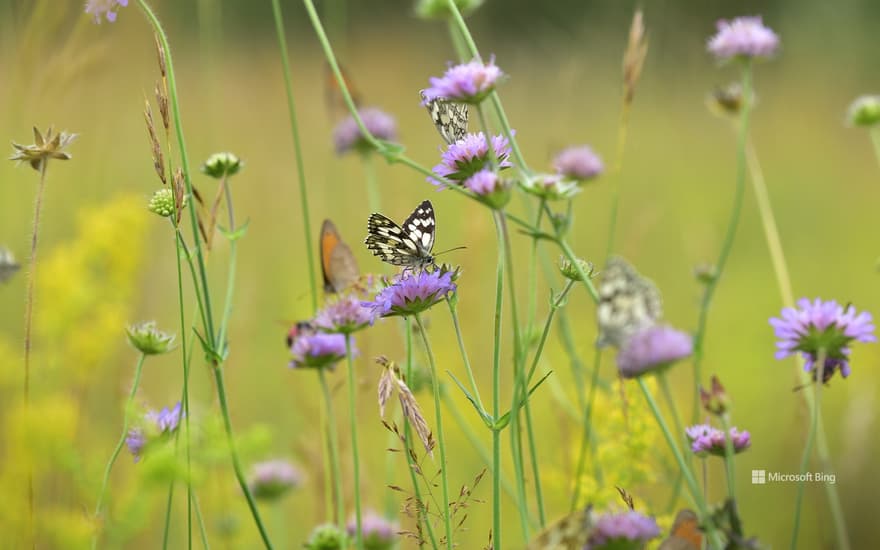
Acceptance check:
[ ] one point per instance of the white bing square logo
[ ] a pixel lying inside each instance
(759, 477)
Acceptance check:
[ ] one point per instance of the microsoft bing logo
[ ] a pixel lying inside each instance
(759, 477)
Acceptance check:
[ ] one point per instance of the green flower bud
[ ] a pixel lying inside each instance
(439, 9)
(162, 203)
(705, 273)
(327, 537)
(551, 186)
(569, 271)
(864, 111)
(149, 340)
(220, 165)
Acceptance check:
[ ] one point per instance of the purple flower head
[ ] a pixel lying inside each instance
(652, 348)
(412, 293)
(317, 350)
(271, 479)
(743, 37)
(468, 82)
(106, 8)
(489, 188)
(378, 533)
(578, 163)
(346, 315)
(469, 155)
(819, 325)
(347, 135)
(627, 530)
(156, 424)
(706, 440)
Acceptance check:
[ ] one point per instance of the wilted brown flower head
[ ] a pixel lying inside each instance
(50, 146)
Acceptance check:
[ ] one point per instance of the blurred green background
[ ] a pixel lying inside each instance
(563, 59)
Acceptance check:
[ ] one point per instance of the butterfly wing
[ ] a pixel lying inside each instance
(333, 96)
(568, 533)
(338, 265)
(628, 303)
(450, 118)
(408, 246)
(685, 533)
(8, 265)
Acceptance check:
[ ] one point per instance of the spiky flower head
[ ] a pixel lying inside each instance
(439, 9)
(272, 479)
(222, 165)
(864, 111)
(149, 340)
(317, 350)
(412, 293)
(50, 146)
(578, 162)
(817, 326)
(377, 532)
(466, 83)
(706, 440)
(551, 187)
(162, 202)
(468, 156)
(628, 530)
(489, 188)
(743, 38)
(347, 135)
(345, 316)
(651, 349)
(327, 537)
(156, 426)
(570, 271)
(105, 8)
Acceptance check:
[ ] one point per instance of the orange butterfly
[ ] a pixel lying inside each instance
(333, 93)
(338, 266)
(685, 533)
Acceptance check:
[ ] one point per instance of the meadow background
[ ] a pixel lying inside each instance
(106, 261)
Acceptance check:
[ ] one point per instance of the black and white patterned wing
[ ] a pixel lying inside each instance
(409, 245)
(628, 303)
(450, 118)
(8, 265)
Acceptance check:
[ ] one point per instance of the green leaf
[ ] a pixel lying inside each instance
(234, 235)
(211, 355)
(504, 419)
(487, 418)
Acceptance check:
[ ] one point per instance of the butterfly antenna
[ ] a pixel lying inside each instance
(450, 250)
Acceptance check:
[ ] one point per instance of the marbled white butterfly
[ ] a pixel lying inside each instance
(628, 303)
(450, 118)
(408, 245)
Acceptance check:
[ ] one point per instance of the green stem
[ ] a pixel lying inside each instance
(532, 293)
(728, 458)
(444, 481)
(586, 431)
(230, 279)
(875, 141)
(727, 245)
(679, 429)
(169, 504)
(557, 303)
(297, 151)
(373, 196)
(819, 365)
(352, 411)
(496, 397)
(333, 444)
(453, 311)
(125, 419)
(203, 533)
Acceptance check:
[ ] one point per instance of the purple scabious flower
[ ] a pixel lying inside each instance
(653, 348)
(156, 425)
(627, 530)
(464, 158)
(347, 135)
(412, 293)
(578, 163)
(743, 37)
(271, 479)
(317, 350)
(377, 532)
(468, 82)
(344, 316)
(106, 8)
(489, 188)
(706, 440)
(820, 325)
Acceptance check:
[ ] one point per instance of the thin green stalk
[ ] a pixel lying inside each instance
(453, 312)
(727, 244)
(169, 503)
(352, 417)
(679, 428)
(808, 446)
(728, 458)
(532, 294)
(586, 431)
(334, 447)
(875, 141)
(203, 533)
(496, 397)
(373, 196)
(444, 481)
(407, 434)
(297, 151)
(120, 443)
(557, 303)
(230, 279)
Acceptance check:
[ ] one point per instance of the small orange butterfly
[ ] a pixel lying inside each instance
(338, 265)
(568, 533)
(333, 93)
(685, 533)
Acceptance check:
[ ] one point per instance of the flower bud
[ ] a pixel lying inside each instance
(864, 111)
(162, 203)
(327, 537)
(149, 340)
(220, 165)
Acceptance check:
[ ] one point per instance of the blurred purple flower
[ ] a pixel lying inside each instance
(469, 155)
(412, 293)
(378, 533)
(346, 315)
(706, 440)
(744, 37)
(106, 8)
(652, 348)
(468, 82)
(347, 135)
(271, 479)
(156, 425)
(821, 325)
(317, 350)
(615, 530)
(578, 163)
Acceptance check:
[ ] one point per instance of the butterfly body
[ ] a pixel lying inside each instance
(408, 245)
(450, 118)
(628, 303)
(338, 265)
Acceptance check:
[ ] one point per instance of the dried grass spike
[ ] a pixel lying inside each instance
(634, 57)
(155, 146)
(413, 413)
